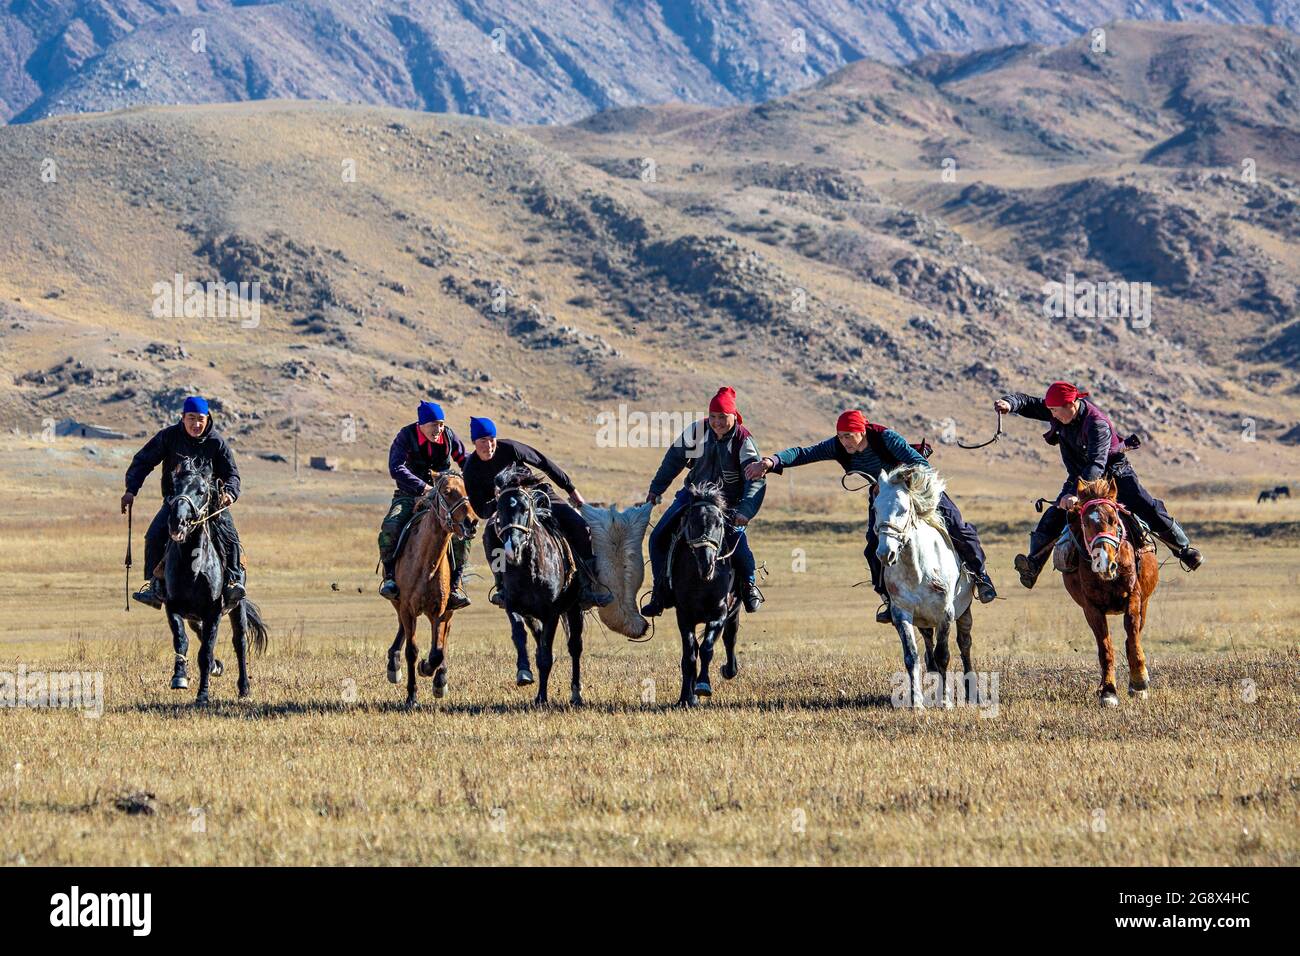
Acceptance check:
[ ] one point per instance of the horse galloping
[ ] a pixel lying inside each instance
(194, 575)
(539, 583)
(702, 581)
(1113, 578)
(929, 590)
(423, 574)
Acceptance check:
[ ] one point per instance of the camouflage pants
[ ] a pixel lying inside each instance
(399, 513)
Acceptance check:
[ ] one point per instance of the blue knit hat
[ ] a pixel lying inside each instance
(430, 412)
(481, 428)
(196, 404)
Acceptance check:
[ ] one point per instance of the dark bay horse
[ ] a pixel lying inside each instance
(1110, 577)
(423, 575)
(539, 573)
(195, 575)
(702, 583)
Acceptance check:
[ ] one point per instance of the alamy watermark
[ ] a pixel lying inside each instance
(68, 690)
(1100, 300)
(626, 428)
(976, 689)
(179, 299)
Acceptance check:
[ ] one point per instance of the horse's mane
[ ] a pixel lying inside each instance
(1097, 488)
(516, 476)
(924, 486)
(710, 491)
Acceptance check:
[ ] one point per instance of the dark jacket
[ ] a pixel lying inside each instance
(413, 460)
(480, 475)
(886, 450)
(1090, 445)
(719, 459)
(173, 443)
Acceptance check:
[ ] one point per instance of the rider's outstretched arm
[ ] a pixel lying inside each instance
(146, 460)
(794, 456)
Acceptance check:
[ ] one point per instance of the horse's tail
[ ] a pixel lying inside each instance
(253, 622)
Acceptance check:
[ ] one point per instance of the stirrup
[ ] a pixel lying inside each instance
(883, 614)
(389, 589)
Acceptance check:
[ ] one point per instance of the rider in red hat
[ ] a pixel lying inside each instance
(862, 446)
(1091, 448)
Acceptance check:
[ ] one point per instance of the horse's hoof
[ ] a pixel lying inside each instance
(180, 683)
(412, 704)
(575, 699)
(245, 693)
(688, 702)
(426, 669)
(201, 700)
(1109, 699)
(524, 677)
(392, 675)
(703, 689)
(439, 688)
(217, 668)
(730, 672)
(1139, 693)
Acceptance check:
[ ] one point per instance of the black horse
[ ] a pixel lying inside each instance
(194, 575)
(702, 584)
(539, 573)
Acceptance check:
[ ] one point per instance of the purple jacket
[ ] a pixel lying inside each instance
(413, 463)
(1090, 445)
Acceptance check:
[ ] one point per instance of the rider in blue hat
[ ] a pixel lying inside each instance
(191, 437)
(421, 451)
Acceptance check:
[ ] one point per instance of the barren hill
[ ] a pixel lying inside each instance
(815, 251)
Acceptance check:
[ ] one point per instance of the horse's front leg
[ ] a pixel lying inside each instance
(1107, 696)
(940, 656)
(732, 667)
(911, 658)
(704, 686)
(181, 646)
(964, 625)
(690, 651)
(438, 652)
(412, 653)
(575, 654)
(523, 671)
(1137, 661)
(395, 655)
(239, 631)
(207, 645)
(545, 656)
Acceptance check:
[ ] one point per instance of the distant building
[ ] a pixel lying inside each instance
(324, 464)
(72, 427)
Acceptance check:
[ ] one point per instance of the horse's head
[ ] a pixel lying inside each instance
(191, 497)
(520, 502)
(705, 526)
(1101, 527)
(450, 503)
(903, 495)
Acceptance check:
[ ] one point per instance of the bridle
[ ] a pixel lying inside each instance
(1115, 539)
(885, 529)
(532, 510)
(445, 510)
(202, 514)
(707, 539)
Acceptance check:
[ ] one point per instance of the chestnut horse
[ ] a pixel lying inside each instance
(423, 575)
(1111, 577)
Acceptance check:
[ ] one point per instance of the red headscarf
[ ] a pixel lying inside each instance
(851, 421)
(725, 402)
(1060, 394)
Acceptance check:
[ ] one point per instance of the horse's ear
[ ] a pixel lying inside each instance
(1079, 485)
(1112, 488)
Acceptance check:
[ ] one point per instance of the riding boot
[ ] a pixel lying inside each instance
(984, 589)
(234, 592)
(152, 593)
(1030, 565)
(458, 598)
(751, 596)
(389, 587)
(658, 602)
(883, 613)
(1182, 548)
(498, 595)
(594, 594)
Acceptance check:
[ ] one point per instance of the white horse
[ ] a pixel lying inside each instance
(928, 588)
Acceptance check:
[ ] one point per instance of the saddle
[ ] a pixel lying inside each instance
(420, 510)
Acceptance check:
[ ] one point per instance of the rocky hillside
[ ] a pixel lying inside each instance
(513, 60)
(886, 238)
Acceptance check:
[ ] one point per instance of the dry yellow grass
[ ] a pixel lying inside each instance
(801, 759)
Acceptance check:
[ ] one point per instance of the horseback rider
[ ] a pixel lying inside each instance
(870, 448)
(716, 453)
(191, 437)
(1090, 448)
(421, 451)
(493, 455)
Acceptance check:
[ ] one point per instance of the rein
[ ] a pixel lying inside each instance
(1113, 538)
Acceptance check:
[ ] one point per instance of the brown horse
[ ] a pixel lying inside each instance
(1110, 577)
(423, 575)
